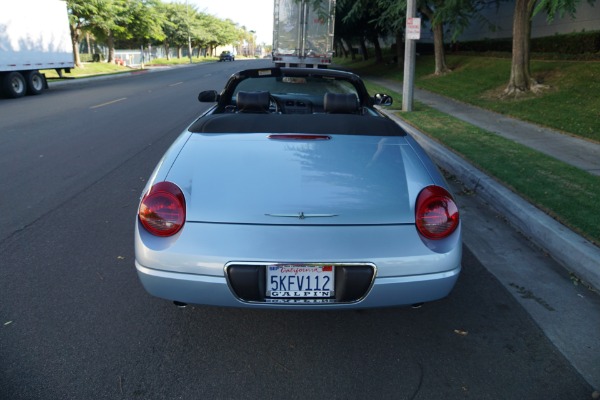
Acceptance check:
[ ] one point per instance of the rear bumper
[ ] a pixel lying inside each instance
(211, 290)
(193, 266)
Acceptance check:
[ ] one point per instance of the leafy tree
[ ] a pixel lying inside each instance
(176, 26)
(362, 16)
(389, 16)
(140, 22)
(393, 16)
(109, 21)
(431, 9)
(455, 15)
(145, 21)
(451, 16)
(80, 14)
(212, 26)
(345, 34)
(134, 23)
(205, 30)
(244, 39)
(202, 33)
(222, 32)
(372, 18)
(520, 80)
(228, 32)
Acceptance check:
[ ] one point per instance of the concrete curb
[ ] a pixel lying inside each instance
(579, 256)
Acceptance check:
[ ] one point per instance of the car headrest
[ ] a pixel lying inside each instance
(253, 102)
(338, 103)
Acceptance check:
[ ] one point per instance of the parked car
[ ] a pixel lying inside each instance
(226, 56)
(294, 191)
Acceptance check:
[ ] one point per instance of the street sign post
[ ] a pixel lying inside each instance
(413, 32)
(413, 28)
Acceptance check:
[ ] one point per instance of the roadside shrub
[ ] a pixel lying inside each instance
(572, 43)
(579, 43)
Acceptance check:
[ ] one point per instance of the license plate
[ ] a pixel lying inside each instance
(300, 281)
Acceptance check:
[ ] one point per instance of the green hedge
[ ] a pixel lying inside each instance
(572, 43)
(85, 57)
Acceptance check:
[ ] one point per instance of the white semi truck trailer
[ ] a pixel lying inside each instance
(34, 35)
(303, 33)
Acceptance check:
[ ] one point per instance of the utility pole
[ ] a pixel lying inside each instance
(409, 54)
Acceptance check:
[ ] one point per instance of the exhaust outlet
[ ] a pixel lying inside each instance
(179, 304)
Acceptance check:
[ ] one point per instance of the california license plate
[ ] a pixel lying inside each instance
(300, 281)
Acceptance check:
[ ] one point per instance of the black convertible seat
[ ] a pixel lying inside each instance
(326, 124)
(253, 102)
(339, 103)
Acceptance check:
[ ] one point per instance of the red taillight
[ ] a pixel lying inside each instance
(162, 210)
(436, 213)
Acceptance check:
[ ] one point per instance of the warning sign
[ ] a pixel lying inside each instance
(413, 28)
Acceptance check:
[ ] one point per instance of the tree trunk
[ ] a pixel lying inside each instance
(438, 43)
(400, 48)
(110, 41)
(344, 49)
(342, 46)
(87, 39)
(350, 49)
(438, 48)
(75, 44)
(348, 46)
(179, 52)
(520, 75)
(167, 50)
(363, 49)
(378, 53)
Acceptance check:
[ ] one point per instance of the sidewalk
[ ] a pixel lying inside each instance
(579, 256)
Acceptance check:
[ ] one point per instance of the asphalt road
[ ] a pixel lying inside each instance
(76, 324)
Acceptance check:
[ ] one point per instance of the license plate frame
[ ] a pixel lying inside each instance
(300, 281)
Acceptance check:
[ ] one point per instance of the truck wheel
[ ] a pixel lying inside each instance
(14, 85)
(35, 82)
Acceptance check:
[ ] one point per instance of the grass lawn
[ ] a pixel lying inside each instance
(102, 68)
(89, 69)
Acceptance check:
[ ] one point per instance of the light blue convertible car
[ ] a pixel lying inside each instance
(294, 192)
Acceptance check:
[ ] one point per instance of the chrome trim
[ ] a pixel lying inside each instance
(301, 215)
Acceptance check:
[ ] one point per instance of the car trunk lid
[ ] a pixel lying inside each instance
(338, 179)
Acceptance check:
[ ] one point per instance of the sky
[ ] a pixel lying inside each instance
(255, 15)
